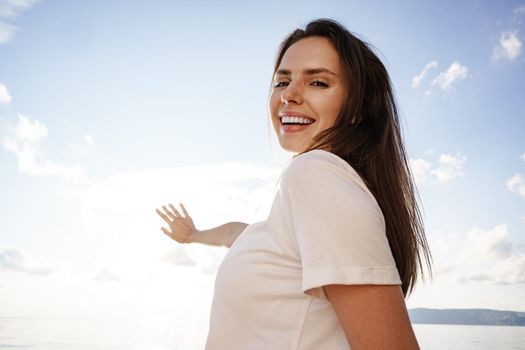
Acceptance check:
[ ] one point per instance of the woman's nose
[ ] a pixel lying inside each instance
(292, 93)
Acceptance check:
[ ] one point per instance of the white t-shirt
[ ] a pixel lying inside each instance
(324, 227)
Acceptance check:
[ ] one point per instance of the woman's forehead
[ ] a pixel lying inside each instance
(310, 55)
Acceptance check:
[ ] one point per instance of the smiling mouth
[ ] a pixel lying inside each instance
(293, 127)
(292, 120)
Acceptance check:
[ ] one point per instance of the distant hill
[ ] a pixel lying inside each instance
(467, 316)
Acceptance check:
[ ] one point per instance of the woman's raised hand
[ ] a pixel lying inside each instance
(181, 228)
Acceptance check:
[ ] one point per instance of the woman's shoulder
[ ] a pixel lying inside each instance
(318, 161)
(323, 170)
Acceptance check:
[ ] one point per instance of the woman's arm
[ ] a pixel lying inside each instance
(182, 229)
(372, 316)
(223, 235)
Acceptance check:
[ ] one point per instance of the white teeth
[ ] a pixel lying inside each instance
(295, 120)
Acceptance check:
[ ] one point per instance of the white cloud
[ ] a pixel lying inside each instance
(22, 142)
(245, 187)
(107, 275)
(6, 32)
(5, 97)
(178, 256)
(492, 244)
(448, 168)
(493, 249)
(508, 47)
(516, 184)
(13, 259)
(510, 270)
(88, 139)
(523, 157)
(454, 73)
(479, 255)
(518, 10)
(416, 81)
(10, 10)
(420, 169)
(30, 131)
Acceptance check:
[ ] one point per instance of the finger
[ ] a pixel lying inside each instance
(184, 210)
(170, 214)
(164, 217)
(175, 210)
(166, 231)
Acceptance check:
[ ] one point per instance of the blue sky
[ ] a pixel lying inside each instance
(109, 109)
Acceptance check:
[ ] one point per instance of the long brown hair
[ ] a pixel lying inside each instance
(367, 135)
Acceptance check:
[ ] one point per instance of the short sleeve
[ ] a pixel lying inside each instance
(338, 225)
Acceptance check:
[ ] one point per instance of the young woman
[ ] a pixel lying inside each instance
(344, 241)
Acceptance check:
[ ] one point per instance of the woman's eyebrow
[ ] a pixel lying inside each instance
(307, 71)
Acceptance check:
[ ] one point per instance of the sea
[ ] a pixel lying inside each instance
(167, 334)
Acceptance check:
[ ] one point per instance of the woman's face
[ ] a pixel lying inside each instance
(309, 83)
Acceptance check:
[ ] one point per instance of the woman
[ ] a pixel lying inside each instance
(344, 241)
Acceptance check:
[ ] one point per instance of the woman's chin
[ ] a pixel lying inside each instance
(293, 148)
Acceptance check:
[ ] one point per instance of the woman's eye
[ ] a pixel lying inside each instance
(279, 84)
(316, 83)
